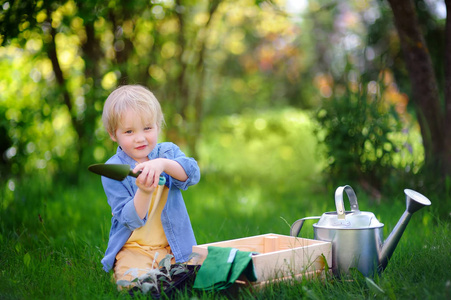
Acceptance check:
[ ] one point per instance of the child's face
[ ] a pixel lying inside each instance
(136, 137)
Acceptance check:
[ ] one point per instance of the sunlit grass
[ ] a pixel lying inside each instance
(53, 234)
(59, 257)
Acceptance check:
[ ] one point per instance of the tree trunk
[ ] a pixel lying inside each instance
(91, 55)
(424, 84)
(62, 85)
(191, 95)
(447, 142)
(200, 71)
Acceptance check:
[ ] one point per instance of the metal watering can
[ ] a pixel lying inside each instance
(357, 236)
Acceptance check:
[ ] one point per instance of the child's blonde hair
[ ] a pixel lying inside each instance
(131, 97)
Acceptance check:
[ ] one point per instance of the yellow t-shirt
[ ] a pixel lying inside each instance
(151, 235)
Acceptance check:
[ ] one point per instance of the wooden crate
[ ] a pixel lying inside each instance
(279, 256)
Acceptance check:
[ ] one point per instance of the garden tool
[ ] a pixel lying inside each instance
(120, 172)
(357, 236)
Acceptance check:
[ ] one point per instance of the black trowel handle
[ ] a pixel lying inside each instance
(161, 181)
(131, 173)
(118, 171)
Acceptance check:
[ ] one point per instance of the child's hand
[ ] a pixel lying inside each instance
(150, 174)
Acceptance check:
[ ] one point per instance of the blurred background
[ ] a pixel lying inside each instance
(276, 99)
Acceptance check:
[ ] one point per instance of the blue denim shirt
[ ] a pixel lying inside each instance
(175, 219)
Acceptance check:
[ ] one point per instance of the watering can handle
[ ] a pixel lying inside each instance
(339, 200)
(297, 225)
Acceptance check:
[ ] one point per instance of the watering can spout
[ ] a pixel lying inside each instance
(414, 202)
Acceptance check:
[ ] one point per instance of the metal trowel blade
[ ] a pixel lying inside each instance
(113, 171)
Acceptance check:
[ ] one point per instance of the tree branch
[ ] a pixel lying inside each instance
(56, 66)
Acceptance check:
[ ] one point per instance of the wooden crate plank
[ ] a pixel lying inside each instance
(279, 256)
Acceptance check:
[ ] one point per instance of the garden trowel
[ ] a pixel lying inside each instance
(117, 171)
(113, 171)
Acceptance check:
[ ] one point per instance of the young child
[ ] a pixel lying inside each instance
(133, 118)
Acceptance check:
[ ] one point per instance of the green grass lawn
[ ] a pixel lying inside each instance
(254, 181)
(51, 241)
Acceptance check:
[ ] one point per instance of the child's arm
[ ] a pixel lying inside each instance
(152, 169)
(120, 195)
(147, 181)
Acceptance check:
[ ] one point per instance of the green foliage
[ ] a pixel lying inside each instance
(16, 16)
(60, 59)
(364, 140)
(209, 59)
(38, 129)
(265, 147)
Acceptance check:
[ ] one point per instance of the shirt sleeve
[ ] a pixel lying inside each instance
(120, 198)
(189, 164)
